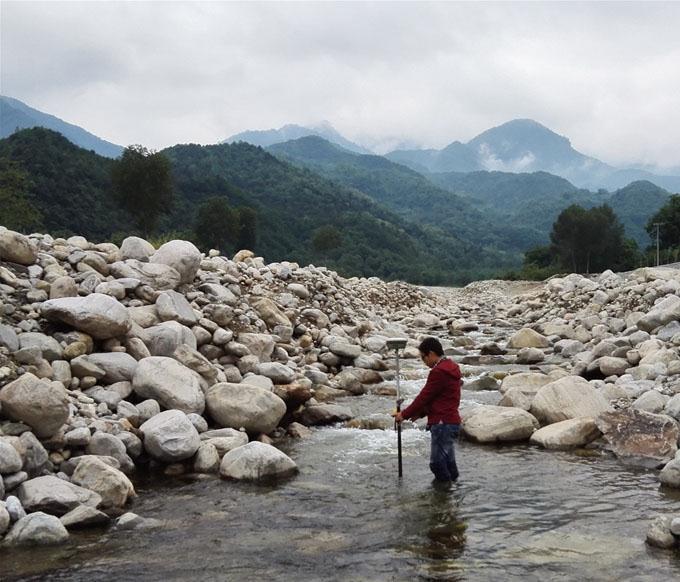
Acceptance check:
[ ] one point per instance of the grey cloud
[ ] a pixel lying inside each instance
(160, 73)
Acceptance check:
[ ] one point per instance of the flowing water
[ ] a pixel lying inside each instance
(518, 513)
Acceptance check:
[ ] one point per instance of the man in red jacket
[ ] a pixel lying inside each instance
(439, 400)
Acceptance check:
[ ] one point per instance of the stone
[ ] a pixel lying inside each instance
(530, 356)
(54, 496)
(37, 529)
(670, 474)
(610, 366)
(116, 366)
(651, 401)
(170, 437)
(10, 460)
(17, 248)
(129, 521)
(182, 256)
(157, 276)
(8, 338)
(207, 459)
(345, 349)
(426, 320)
(98, 315)
(63, 286)
(566, 398)
(319, 414)
(33, 453)
(640, 438)
(41, 405)
(277, 372)
(197, 362)
(198, 421)
(5, 519)
(134, 247)
(170, 383)
(528, 338)
(108, 445)
(672, 407)
(69, 466)
(48, 346)
(78, 437)
(260, 345)
(242, 406)
(83, 517)
(487, 424)
(659, 533)
(14, 508)
(567, 434)
(166, 337)
(111, 484)
(256, 461)
(173, 306)
(526, 380)
(667, 310)
(270, 313)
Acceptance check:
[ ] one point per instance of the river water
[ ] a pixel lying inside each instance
(518, 513)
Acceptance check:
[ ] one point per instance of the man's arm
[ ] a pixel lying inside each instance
(434, 385)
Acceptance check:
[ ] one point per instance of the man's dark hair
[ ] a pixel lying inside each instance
(431, 344)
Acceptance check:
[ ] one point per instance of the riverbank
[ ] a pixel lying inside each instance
(166, 360)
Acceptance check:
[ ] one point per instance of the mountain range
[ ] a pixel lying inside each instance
(520, 145)
(15, 115)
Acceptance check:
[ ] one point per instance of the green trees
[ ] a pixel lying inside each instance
(326, 238)
(668, 218)
(582, 241)
(142, 184)
(16, 212)
(219, 226)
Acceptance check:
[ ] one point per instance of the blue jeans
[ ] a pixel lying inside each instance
(442, 455)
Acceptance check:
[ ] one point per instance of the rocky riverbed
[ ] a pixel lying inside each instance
(117, 361)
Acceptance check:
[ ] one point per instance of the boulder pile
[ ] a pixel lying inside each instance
(112, 357)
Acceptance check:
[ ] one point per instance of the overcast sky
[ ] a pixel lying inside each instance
(606, 75)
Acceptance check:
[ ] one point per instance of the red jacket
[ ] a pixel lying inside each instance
(440, 397)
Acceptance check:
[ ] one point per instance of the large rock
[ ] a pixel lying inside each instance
(324, 414)
(8, 338)
(256, 461)
(158, 276)
(37, 529)
(670, 474)
(110, 483)
(260, 344)
(170, 437)
(166, 337)
(667, 310)
(243, 406)
(277, 372)
(528, 338)
(17, 248)
(83, 516)
(134, 247)
(640, 438)
(41, 405)
(487, 424)
(10, 460)
(610, 366)
(173, 306)
(173, 385)
(182, 256)
(98, 315)
(527, 381)
(566, 434)
(116, 366)
(659, 533)
(568, 397)
(345, 349)
(48, 346)
(54, 496)
(270, 312)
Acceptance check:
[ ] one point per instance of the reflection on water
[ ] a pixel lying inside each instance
(518, 513)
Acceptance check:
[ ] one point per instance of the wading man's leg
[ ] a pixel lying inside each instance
(442, 455)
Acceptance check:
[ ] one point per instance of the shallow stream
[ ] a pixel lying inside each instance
(518, 513)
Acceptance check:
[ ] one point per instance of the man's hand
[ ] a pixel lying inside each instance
(397, 416)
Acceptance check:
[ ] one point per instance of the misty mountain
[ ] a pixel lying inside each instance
(15, 115)
(408, 193)
(524, 145)
(268, 137)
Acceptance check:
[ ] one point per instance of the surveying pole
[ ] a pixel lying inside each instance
(397, 344)
(657, 224)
